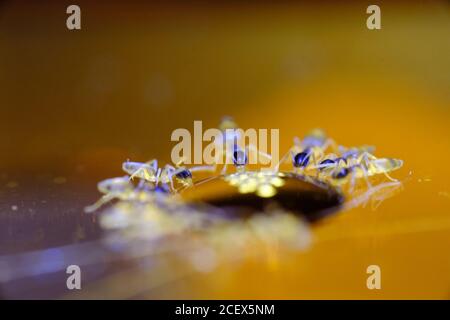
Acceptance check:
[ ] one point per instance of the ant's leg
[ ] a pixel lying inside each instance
(225, 165)
(241, 167)
(366, 177)
(376, 203)
(317, 157)
(229, 154)
(172, 188)
(283, 159)
(330, 143)
(254, 149)
(154, 164)
(332, 156)
(364, 160)
(341, 150)
(141, 184)
(202, 168)
(297, 142)
(100, 202)
(321, 155)
(211, 168)
(313, 156)
(170, 178)
(158, 174)
(138, 171)
(389, 177)
(224, 169)
(352, 182)
(168, 171)
(366, 157)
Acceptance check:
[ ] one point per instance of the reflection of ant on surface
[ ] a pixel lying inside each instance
(376, 195)
(114, 188)
(312, 147)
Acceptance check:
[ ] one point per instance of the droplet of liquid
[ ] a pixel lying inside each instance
(241, 195)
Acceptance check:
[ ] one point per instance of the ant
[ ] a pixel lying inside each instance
(153, 181)
(362, 165)
(237, 156)
(313, 146)
(162, 177)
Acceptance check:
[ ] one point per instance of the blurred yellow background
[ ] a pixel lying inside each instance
(78, 103)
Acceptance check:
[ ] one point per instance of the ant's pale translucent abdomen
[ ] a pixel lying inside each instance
(383, 165)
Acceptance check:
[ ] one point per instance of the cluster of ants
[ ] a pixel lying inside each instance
(315, 155)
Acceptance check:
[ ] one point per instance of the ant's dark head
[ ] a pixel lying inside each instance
(239, 157)
(341, 173)
(301, 159)
(326, 163)
(184, 174)
(160, 189)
